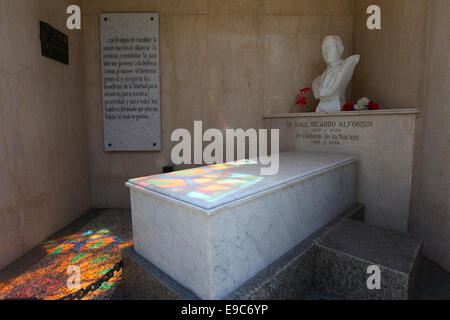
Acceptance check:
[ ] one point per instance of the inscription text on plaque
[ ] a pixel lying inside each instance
(131, 83)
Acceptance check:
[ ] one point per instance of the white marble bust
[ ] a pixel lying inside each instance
(330, 86)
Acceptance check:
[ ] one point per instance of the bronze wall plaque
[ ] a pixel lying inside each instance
(54, 43)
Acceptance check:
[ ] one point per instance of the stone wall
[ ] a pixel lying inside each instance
(44, 166)
(430, 217)
(392, 66)
(406, 65)
(224, 62)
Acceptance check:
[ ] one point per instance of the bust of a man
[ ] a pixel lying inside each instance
(330, 86)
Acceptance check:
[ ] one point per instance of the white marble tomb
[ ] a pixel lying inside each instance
(213, 228)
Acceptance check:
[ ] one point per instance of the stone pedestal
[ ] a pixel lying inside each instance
(345, 253)
(384, 142)
(142, 280)
(330, 264)
(211, 229)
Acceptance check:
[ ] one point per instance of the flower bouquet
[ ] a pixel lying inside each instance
(302, 100)
(362, 104)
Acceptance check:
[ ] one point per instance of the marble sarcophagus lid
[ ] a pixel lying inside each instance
(213, 228)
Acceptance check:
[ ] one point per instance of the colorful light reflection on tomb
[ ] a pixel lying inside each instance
(209, 184)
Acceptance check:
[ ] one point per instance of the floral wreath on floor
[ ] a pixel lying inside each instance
(362, 104)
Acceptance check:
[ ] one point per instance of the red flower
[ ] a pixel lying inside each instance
(301, 100)
(349, 106)
(373, 106)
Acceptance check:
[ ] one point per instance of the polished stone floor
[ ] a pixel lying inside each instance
(94, 242)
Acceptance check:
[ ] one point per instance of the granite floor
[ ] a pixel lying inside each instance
(94, 242)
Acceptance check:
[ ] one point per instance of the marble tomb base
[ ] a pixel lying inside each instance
(211, 229)
(330, 264)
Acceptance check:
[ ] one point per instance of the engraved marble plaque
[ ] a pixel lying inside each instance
(384, 142)
(131, 84)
